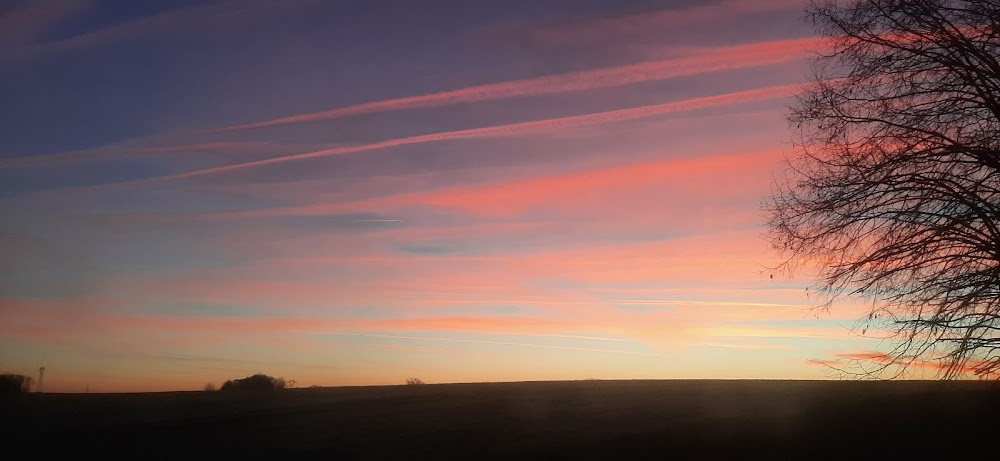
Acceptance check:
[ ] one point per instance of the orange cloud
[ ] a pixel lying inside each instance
(876, 356)
(970, 368)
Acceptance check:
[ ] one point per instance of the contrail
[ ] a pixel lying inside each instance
(536, 126)
(720, 59)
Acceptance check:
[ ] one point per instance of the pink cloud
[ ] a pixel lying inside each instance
(423, 286)
(329, 325)
(382, 275)
(970, 368)
(729, 174)
(593, 190)
(590, 326)
(219, 146)
(43, 314)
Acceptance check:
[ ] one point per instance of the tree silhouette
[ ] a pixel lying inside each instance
(11, 383)
(257, 382)
(893, 193)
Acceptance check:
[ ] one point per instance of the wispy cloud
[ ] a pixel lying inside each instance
(249, 325)
(752, 332)
(707, 60)
(693, 302)
(500, 343)
(204, 14)
(513, 197)
(871, 355)
(904, 365)
(517, 216)
(743, 346)
(25, 24)
(515, 129)
(651, 22)
(234, 147)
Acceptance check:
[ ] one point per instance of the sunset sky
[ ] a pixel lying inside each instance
(358, 192)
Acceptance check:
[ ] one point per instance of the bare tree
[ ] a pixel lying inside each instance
(11, 383)
(893, 194)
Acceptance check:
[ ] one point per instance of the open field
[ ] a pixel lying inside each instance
(531, 420)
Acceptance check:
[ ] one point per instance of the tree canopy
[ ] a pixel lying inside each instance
(11, 383)
(893, 192)
(257, 382)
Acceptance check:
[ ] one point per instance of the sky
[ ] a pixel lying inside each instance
(361, 191)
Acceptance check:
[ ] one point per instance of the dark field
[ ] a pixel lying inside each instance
(533, 420)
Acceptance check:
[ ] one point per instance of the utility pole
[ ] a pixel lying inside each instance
(41, 379)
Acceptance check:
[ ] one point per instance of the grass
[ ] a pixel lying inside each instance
(687, 419)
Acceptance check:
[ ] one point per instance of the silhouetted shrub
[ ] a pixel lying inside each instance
(11, 383)
(209, 387)
(414, 381)
(257, 382)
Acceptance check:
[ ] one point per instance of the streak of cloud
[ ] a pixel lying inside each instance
(170, 21)
(224, 147)
(26, 24)
(846, 362)
(710, 60)
(678, 302)
(742, 346)
(512, 197)
(499, 343)
(514, 129)
(648, 22)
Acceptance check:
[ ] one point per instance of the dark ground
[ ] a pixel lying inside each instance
(533, 420)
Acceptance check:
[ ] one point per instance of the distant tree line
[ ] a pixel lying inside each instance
(257, 382)
(11, 383)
